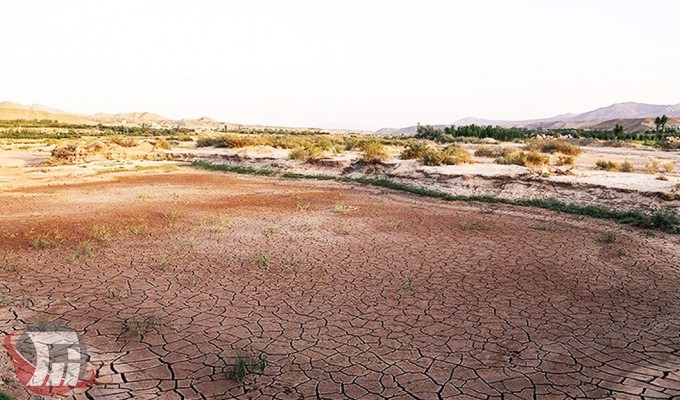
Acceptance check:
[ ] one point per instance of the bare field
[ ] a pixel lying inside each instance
(347, 291)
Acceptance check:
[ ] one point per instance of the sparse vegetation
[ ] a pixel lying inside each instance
(246, 363)
(487, 151)
(263, 261)
(374, 153)
(474, 226)
(563, 160)
(608, 238)
(4, 300)
(5, 396)
(144, 326)
(102, 234)
(553, 146)
(524, 158)
(627, 167)
(607, 165)
(664, 219)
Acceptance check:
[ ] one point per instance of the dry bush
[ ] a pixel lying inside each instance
(652, 167)
(553, 146)
(162, 144)
(607, 165)
(415, 150)
(305, 153)
(563, 160)
(124, 141)
(374, 153)
(627, 167)
(524, 158)
(668, 166)
(486, 151)
(455, 154)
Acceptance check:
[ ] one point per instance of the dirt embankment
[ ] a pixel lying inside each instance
(503, 181)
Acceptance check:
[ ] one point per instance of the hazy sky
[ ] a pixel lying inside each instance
(341, 63)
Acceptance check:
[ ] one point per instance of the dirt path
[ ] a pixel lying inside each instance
(350, 292)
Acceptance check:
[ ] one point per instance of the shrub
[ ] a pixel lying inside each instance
(626, 167)
(5, 396)
(374, 153)
(553, 146)
(415, 150)
(124, 141)
(652, 167)
(433, 157)
(524, 158)
(565, 160)
(455, 154)
(605, 165)
(668, 166)
(486, 151)
(297, 153)
(163, 144)
(244, 364)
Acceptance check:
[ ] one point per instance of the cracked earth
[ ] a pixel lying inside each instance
(350, 292)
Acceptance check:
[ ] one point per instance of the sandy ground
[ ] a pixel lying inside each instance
(351, 292)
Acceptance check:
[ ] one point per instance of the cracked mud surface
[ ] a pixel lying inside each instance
(350, 292)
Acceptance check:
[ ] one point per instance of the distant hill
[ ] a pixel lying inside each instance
(12, 111)
(635, 117)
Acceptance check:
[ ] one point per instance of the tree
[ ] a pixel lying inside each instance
(657, 122)
(618, 130)
(664, 121)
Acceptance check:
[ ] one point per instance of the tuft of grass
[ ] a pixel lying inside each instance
(339, 208)
(652, 167)
(408, 284)
(4, 300)
(620, 253)
(102, 234)
(346, 230)
(607, 165)
(246, 363)
(608, 238)
(627, 167)
(668, 166)
(144, 326)
(48, 240)
(263, 261)
(172, 216)
(563, 160)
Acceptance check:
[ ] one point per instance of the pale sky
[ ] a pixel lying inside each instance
(344, 63)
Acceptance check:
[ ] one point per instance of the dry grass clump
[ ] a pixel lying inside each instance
(553, 146)
(487, 151)
(162, 144)
(415, 150)
(374, 153)
(563, 160)
(608, 165)
(627, 167)
(652, 167)
(427, 154)
(668, 166)
(124, 141)
(305, 153)
(524, 158)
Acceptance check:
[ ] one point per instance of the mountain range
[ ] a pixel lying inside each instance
(635, 117)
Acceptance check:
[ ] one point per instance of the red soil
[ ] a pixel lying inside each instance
(351, 292)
